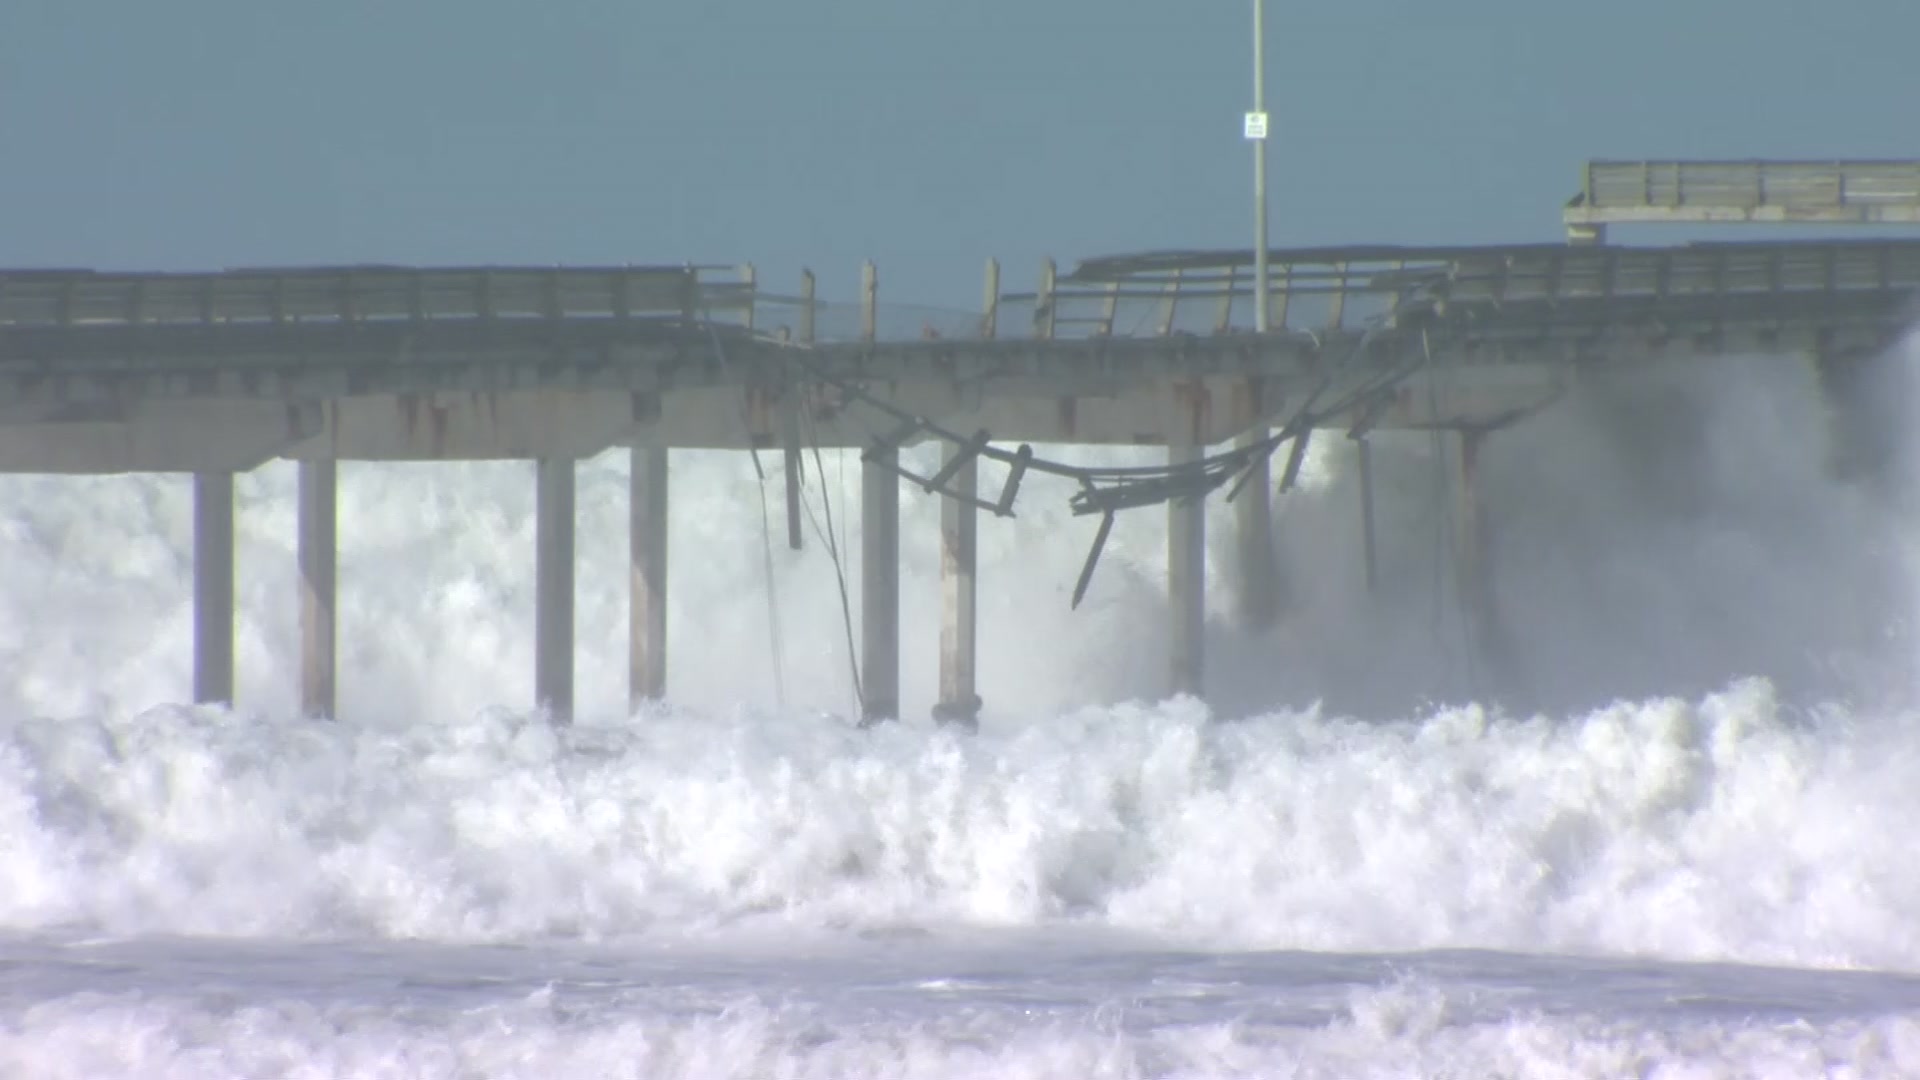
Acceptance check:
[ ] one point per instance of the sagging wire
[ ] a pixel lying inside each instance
(776, 639)
(833, 546)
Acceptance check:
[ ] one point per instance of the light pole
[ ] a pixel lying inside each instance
(1259, 577)
(1257, 134)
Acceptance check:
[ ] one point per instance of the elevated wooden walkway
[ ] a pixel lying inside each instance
(1819, 192)
(1527, 303)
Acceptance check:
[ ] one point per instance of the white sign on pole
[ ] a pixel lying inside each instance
(1256, 125)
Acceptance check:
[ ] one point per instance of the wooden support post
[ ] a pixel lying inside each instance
(318, 547)
(1279, 307)
(1044, 310)
(1110, 309)
(647, 550)
(1186, 550)
(959, 553)
(213, 614)
(869, 301)
(1170, 305)
(990, 311)
(750, 278)
(1337, 307)
(809, 308)
(1364, 450)
(880, 585)
(553, 588)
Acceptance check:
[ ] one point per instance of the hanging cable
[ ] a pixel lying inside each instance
(1100, 490)
(833, 546)
(726, 369)
(1104, 491)
(846, 544)
(775, 641)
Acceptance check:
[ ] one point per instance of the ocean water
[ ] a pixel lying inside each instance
(1664, 834)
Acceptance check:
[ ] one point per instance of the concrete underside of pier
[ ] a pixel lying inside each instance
(554, 427)
(236, 434)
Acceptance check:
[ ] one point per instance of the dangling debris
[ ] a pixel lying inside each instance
(1294, 460)
(1093, 557)
(1107, 491)
(961, 459)
(1016, 469)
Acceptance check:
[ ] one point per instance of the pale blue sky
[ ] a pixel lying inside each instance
(208, 133)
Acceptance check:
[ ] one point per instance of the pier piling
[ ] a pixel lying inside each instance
(553, 587)
(1259, 578)
(880, 584)
(959, 576)
(647, 611)
(318, 550)
(213, 588)
(1363, 451)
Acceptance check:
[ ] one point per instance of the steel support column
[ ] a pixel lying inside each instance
(318, 554)
(553, 588)
(213, 588)
(647, 604)
(880, 586)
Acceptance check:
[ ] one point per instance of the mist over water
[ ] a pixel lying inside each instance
(1659, 531)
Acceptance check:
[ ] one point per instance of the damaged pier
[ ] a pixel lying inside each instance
(213, 374)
